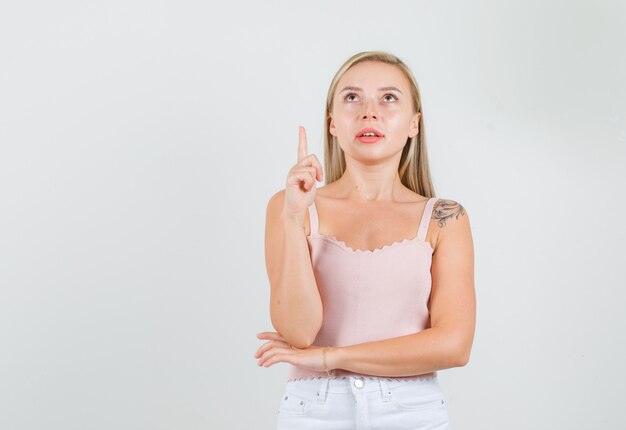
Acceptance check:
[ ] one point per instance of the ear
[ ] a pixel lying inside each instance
(414, 130)
(331, 126)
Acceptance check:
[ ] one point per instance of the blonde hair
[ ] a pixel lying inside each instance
(413, 167)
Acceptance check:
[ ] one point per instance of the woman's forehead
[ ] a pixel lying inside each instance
(372, 76)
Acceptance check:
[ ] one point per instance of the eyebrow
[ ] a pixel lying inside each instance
(380, 89)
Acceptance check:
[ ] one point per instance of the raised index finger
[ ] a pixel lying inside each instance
(302, 147)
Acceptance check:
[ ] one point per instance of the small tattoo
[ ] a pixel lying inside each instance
(444, 209)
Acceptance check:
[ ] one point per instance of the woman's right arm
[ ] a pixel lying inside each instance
(295, 304)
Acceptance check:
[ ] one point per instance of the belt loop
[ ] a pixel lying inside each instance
(322, 390)
(384, 389)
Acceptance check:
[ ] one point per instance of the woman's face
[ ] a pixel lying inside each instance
(364, 99)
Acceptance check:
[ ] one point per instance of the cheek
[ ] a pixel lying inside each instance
(352, 107)
(342, 121)
(398, 131)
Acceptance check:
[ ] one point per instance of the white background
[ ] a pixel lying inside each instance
(141, 141)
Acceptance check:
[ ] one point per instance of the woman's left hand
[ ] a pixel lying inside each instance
(277, 350)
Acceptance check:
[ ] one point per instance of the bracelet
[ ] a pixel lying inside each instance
(328, 371)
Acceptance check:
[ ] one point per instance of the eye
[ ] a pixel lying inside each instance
(354, 94)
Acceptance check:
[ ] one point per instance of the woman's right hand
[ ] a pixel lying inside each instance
(300, 189)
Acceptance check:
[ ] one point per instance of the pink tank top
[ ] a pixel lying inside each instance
(369, 295)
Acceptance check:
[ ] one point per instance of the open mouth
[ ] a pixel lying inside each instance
(369, 132)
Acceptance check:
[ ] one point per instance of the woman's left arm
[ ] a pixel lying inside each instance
(448, 342)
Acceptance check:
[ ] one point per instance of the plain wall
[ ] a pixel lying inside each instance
(140, 142)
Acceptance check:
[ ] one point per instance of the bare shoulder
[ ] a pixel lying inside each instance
(273, 212)
(446, 209)
(274, 206)
(276, 199)
(450, 220)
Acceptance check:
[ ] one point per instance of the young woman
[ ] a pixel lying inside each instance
(371, 276)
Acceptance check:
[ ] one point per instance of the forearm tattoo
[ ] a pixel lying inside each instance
(444, 209)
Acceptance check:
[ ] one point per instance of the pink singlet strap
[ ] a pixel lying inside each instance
(313, 219)
(425, 222)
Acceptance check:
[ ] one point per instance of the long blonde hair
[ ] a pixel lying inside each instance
(413, 167)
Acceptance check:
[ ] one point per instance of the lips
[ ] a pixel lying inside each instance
(369, 130)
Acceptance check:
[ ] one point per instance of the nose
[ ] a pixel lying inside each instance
(370, 112)
(370, 115)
